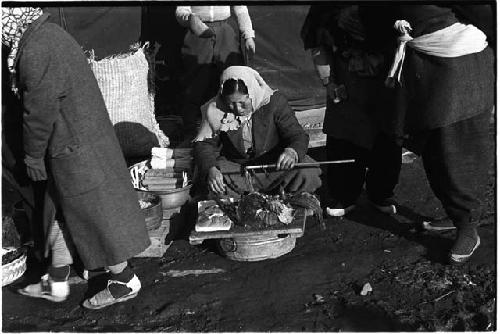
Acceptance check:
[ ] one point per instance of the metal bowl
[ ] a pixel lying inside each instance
(171, 199)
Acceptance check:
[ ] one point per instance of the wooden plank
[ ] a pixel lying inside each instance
(157, 237)
(295, 228)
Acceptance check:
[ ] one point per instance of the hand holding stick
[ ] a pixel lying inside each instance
(302, 164)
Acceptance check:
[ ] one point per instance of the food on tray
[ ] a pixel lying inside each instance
(256, 209)
(212, 218)
(307, 201)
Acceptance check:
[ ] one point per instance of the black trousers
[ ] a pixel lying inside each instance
(379, 167)
(456, 161)
(203, 60)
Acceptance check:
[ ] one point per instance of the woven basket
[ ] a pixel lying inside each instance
(13, 270)
(123, 81)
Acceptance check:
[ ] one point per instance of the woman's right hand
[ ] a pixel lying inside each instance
(216, 181)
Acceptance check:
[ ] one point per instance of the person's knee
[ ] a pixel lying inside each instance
(306, 180)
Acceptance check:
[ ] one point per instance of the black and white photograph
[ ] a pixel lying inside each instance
(249, 166)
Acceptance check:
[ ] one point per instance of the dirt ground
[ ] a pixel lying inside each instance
(316, 287)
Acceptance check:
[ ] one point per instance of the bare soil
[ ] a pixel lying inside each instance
(316, 287)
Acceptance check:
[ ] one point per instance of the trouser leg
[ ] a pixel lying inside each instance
(456, 162)
(345, 181)
(60, 245)
(199, 78)
(227, 47)
(384, 167)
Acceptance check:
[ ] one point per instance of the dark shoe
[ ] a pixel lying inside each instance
(387, 206)
(440, 224)
(106, 297)
(466, 243)
(339, 209)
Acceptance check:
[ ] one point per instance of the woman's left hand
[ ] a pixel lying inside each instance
(250, 46)
(287, 159)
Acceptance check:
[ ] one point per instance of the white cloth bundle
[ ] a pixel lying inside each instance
(454, 41)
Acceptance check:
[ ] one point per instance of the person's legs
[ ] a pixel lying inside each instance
(199, 75)
(456, 162)
(196, 93)
(382, 177)
(345, 181)
(54, 285)
(227, 51)
(123, 285)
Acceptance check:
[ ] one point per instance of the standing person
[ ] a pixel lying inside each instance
(443, 75)
(68, 140)
(210, 45)
(352, 69)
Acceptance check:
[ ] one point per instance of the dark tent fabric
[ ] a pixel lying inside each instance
(280, 57)
(106, 30)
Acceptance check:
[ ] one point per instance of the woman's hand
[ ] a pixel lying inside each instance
(216, 181)
(250, 46)
(287, 159)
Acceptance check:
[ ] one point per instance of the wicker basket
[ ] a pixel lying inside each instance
(13, 270)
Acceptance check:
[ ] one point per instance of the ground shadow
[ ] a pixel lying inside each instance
(437, 245)
(136, 141)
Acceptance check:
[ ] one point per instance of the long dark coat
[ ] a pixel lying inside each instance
(66, 122)
(356, 118)
(438, 91)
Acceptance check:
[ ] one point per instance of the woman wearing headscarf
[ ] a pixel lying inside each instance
(248, 123)
(68, 140)
(211, 44)
(443, 77)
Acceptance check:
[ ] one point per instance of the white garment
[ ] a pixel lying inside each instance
(217, 13)
(454, 41)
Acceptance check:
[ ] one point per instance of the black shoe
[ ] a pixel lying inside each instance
(387, 206)
(466, 243)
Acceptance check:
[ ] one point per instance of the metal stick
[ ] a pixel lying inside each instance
(304, 164)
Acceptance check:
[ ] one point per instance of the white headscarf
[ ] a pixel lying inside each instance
(213, 117)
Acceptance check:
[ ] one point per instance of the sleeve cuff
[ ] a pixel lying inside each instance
(249, 34)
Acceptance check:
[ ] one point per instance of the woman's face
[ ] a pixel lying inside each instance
(239, 104)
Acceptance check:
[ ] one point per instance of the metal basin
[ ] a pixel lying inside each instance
(171, 199)
(256, 248)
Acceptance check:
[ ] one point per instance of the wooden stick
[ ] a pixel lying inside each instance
(304, 164)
